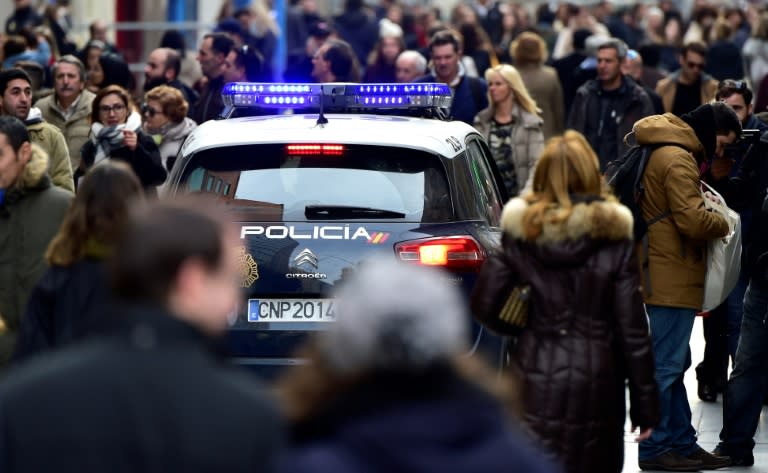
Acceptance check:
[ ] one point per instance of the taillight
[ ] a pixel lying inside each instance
(456, 253)
(314, 150)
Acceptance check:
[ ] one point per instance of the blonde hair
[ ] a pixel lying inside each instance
(171, 100)
(512, 77)
(528, 48)
(567, 166)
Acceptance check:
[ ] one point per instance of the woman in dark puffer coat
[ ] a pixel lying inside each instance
(587, 333)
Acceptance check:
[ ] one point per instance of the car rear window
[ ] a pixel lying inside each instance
(269, 183)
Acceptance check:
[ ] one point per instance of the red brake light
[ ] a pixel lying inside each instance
(314, 150)
(457, 253)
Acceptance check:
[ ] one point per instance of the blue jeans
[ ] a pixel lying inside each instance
(743, 399)
(671, 335)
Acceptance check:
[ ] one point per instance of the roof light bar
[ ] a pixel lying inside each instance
(340, 96)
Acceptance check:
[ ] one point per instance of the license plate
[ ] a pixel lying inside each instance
(291, 310)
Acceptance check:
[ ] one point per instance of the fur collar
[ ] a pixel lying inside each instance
(35, 170)
(600, 220)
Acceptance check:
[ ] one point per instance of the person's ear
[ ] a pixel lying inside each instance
(25, 152)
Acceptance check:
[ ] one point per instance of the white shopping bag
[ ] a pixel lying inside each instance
(723, 254)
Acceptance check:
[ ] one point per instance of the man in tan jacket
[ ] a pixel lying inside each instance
(674, 266)
(684, 90)
(16, 101)
(69, 107)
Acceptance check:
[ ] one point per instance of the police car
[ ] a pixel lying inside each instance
(354, 172)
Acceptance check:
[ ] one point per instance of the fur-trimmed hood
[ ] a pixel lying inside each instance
(35, 172)
(599, 220)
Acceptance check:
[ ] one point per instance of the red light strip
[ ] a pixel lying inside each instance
(308, 149)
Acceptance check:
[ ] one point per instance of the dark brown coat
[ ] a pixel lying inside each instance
(587, 332)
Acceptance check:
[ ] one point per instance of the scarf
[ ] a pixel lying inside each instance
(110, 138)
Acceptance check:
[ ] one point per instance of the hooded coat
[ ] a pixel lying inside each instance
(30, 216)
(52, 141)
(587, 332)
(677, 245)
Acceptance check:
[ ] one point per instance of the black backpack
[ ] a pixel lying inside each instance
(625, 176)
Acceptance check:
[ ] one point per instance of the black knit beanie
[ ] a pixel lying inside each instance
(702, 120)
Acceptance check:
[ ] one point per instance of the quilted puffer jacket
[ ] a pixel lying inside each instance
(587, 333)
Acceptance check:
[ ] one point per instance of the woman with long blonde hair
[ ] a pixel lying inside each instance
(569, 242)
(512, 127)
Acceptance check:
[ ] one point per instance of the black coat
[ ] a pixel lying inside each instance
(587, 332)
(144, 160)
(64, 306)
(151, 397)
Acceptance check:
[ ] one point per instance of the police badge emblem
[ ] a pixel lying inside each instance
(249, 270)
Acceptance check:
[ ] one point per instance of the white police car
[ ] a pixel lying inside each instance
(355, 171)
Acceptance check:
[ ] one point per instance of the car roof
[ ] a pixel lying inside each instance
(442, 137)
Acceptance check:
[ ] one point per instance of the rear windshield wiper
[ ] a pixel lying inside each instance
(345, 211)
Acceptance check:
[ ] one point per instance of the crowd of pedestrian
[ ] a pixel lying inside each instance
(559, 92)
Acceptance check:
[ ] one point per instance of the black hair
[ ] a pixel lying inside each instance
(173, 61)
(251, 60)
(729, 87)
(173, 39)
(220, 43)
(726, 120)
(580, 38)
(116, 71)
(695, 47)
(149, 254)
(343, 61)
(651, 54)
(8, 75)
(446, 36)
(14, 130)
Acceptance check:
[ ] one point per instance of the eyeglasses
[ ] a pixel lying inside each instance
(737, 85)
(147, 110)
(106, 110)
(696, 65)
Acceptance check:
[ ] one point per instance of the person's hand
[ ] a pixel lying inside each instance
(130, 139)
(645, 434)
(721, 167)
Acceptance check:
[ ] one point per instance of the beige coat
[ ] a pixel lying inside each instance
(544, 86)
(677, 245)
(527, 138)
(50, 139)
(76, 129)
(667, 89)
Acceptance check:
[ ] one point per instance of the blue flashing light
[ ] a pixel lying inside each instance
(340, 96)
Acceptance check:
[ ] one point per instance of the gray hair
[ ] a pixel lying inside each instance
(73, 60)
(616, 44)
(415, 57)
(393, 315)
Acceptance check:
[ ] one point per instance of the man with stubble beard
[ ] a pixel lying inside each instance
(163, 68)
